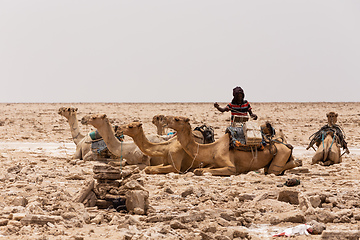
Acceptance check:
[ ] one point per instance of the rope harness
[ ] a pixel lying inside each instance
(323, 135)
(173, 163)
(77, 134)
(319, 137)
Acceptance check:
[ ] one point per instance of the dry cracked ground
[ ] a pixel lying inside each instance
(39, 180)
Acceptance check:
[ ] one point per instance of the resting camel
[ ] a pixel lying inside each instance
(82, 142)
(130, 151)
(217, 159)
(329, 139)
(175, 159)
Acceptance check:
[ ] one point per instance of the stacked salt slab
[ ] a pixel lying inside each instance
(114, 187)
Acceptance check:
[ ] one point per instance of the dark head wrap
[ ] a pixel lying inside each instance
(237, 90)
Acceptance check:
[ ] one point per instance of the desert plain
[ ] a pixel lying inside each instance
(39, 177)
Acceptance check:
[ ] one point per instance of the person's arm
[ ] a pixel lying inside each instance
(225, 109)
(252, 115)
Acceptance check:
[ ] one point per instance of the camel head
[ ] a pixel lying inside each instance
(159, 120)
(131, 129)
(177, 123)
(267, 129)
(96, 120)
(67, 111)
(160, 123)
(332, 118)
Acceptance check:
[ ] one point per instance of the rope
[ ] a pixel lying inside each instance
(253, 157)
(332, 141)
(77, 134)
(336, 129)
(172, 160)
(323, 139)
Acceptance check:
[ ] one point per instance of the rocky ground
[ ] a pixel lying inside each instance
(39, 180)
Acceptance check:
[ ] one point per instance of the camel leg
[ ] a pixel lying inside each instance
(279, 163)
(224, 171)
(161, 169)
(224, 166)
(174, 165)
(291, 164)
(334, 155)
(78, 153)
(90, 156)
(318, 157)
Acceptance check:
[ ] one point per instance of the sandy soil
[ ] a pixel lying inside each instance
(39, 176)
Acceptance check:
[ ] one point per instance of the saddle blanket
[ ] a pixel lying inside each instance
(98, 146)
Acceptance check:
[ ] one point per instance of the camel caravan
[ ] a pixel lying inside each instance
(245, 146)
(187, 149)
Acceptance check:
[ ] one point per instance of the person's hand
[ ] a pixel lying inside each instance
(254, 116)
(216, 105)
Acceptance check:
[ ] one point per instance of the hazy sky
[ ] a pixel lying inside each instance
(179, 51)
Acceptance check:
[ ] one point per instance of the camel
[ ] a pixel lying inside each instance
(216, 158)
(175, 159)
(82, 142)
(130, 151)
(329, 139)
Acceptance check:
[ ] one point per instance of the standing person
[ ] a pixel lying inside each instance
(238, 106)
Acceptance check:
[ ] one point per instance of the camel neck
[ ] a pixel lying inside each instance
(74, 128)
(107, 133)
(160, 130)
(149, 148)
(187, 141)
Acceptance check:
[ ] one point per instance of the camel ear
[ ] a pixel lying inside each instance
(187, 120)
(103, 116)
